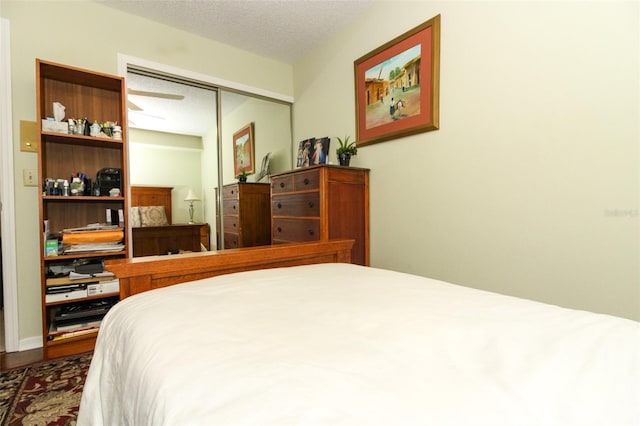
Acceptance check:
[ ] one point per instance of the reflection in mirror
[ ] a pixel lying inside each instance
(246, 218)
(174, 142)
(271, 132)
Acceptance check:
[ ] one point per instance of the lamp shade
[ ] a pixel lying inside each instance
(191, 196)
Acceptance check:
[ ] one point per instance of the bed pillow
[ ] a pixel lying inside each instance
(153, 216)
(134, 217)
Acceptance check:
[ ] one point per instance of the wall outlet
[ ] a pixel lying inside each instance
(29, 177)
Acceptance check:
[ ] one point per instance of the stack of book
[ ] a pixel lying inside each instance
(93, 238)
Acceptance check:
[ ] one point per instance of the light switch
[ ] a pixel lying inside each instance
(29, 177)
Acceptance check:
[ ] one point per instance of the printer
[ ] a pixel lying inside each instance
(107, 179)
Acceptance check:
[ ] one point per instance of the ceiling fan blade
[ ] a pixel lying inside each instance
(149, 115)
(156, 94)
(133, 107)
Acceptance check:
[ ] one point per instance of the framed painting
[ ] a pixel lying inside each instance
(244, 151)
(397, 86)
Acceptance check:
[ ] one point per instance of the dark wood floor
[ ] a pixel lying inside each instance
(12, 360)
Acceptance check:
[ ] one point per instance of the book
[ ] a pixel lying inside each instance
(51, 248)
(58, 328)
(92, 227)
(97, 247)
(93, 237)
(76, 278)
(68, 334)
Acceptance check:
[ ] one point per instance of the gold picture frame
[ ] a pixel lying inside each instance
(397, 86)
(244, 151)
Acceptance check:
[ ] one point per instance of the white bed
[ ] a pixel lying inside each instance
(339, 344)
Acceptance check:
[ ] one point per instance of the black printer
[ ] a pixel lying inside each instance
(108, 179)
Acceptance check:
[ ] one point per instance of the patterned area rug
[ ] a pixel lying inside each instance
(46, 393)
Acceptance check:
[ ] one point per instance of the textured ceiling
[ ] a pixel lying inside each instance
(284, 30)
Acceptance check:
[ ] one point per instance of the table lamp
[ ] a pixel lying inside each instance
(190, 198)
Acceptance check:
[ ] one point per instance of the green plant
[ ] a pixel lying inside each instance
(242, 176)
(346, 147)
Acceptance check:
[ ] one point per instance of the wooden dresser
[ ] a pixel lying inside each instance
(170, 239)
(246, 214)
(322, 202)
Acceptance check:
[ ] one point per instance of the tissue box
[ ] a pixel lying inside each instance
(55, 126)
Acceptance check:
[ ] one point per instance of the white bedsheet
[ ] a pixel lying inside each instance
(338, 344)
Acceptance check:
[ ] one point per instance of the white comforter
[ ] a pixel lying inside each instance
(339, 344)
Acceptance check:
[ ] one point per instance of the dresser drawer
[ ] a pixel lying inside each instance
(306, 181)
(296, 229)
(230, 240)
(230, 207)
(281, 184)
(230, 192)
(231, 224)
(305, 204)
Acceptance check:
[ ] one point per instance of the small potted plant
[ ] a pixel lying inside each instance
(242, 176)
(346, 150)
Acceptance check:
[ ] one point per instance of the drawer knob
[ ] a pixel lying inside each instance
(310, 231)
(311, 204)
(306, 181)
(234, 225)
(281, 184)
(234, 206)
(279, 229)
(232, 192)
(279, 205)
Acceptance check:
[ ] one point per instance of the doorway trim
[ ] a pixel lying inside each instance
(7, 195)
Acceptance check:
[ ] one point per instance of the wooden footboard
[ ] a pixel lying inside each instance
(146, 273)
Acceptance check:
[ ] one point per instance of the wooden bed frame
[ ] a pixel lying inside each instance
(146, 273)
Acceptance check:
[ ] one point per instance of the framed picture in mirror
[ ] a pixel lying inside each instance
(244, 151)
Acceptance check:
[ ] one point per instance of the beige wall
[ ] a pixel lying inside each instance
(531, 185)
(89, 35)
(168, 159)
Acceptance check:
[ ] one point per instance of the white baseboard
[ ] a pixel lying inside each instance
(30, 343)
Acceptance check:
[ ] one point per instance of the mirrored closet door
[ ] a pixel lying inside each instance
(176, 147)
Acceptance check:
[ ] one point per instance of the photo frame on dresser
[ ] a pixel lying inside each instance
(397, 86)
(264, 167)
(313, 151)
(304, 152)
